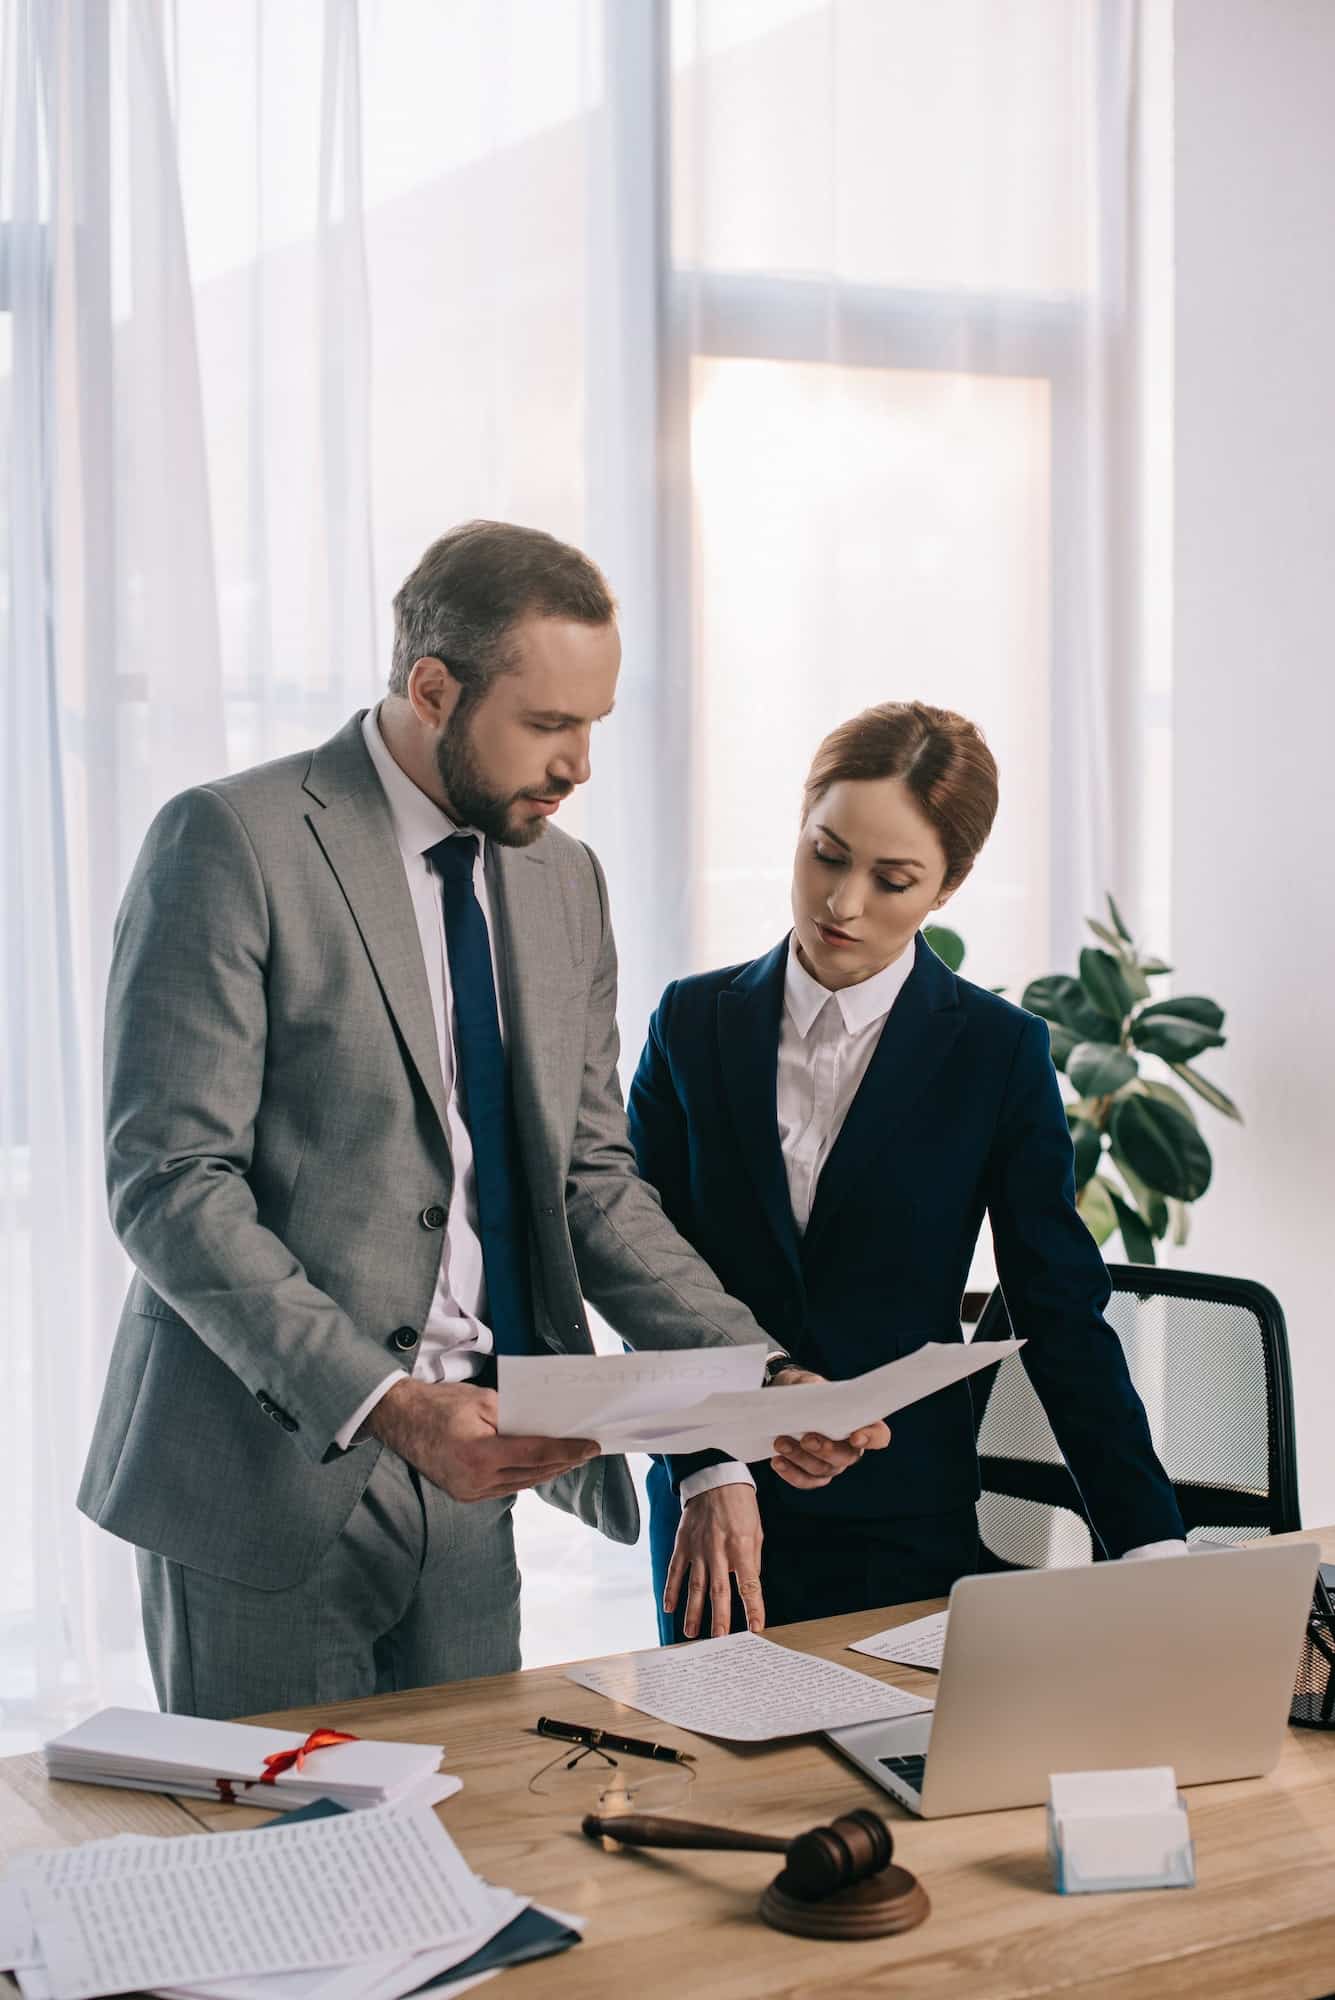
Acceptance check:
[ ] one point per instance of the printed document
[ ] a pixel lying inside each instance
(744, 1688)
(115, 1916)
(578, 1396)
(920, 1643)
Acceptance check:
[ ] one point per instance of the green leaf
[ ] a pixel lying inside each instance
(1190, 1007)
(1136, 1238)
(1167, 1095)
(1095, 1204)
(1154, 968)
(1204, 1088)
(1148, 1200)
(1162, 1146)
(1062, 1041)
(1088, 1143)
(1097, 1069)
(1101, 977)
(1109, 937)
(947, 944)
(1116, 916)
(1173, 1037)
(1060, 998)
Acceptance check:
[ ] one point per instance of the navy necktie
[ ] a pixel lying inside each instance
(484, 1085)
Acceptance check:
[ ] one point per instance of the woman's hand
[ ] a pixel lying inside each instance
(718, 1537)
(813, 1460)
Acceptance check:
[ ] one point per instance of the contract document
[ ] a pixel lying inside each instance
(659, 1407)
(920, 1643)
(744, 1688)
(115, 1916)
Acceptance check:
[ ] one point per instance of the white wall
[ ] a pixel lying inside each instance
(1254, 670)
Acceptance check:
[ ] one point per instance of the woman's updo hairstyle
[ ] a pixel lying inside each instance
(942, 759)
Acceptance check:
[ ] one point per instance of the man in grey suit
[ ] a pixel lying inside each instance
(364, 1132)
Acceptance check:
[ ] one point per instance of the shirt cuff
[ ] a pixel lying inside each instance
(730, 1473)
(343, 1438)
(1153, 1549)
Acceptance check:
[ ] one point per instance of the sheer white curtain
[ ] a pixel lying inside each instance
(804, 316)
(902, 328)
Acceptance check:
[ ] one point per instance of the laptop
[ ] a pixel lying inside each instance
(1186, 1660)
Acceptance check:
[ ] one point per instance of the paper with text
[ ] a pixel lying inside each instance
(744, 1422)
(583, 1395)
(744, 1688)
(113, 1916)
(920, 1643)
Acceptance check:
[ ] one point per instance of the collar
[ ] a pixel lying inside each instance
(418, 821)
(870, 1000)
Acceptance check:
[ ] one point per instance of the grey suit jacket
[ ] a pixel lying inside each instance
(275, 1132)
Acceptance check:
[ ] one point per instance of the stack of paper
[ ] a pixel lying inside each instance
(696, 1398)
(320, 1905)
(202, 1759)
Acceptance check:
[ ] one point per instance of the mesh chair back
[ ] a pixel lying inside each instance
(1210, 1360)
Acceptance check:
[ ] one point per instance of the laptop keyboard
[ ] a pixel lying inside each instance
(909, 1769)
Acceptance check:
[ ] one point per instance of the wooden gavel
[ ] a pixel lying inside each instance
(818, 1863)
(837, 1881)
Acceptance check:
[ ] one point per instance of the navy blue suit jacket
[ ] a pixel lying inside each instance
(958, 1116)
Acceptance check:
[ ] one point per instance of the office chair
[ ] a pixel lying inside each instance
(1210, 1360)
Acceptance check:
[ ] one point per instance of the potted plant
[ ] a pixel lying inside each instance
(1141, 1159)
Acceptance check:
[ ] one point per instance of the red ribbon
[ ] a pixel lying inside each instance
(283, 1760)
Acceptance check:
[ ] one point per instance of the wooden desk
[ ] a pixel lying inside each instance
(1260, 1925)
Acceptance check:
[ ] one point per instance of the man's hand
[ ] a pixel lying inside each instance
(448, 1431)
(718, 1537)
(813, 1460)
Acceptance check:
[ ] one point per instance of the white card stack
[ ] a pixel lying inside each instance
(203, 1759)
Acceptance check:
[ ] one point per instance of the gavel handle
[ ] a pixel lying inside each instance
(649, 1830)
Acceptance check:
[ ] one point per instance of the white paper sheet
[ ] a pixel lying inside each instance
(920, 1643)
(18, 1940)
(742, 1422)
(744, 1688)
(113, 1916)
(583, 1395)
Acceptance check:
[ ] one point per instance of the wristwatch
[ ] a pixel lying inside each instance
(774, 1366)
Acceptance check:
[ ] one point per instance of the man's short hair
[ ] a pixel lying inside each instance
(472, 586)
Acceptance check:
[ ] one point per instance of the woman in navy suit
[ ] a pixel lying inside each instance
(828, 1125)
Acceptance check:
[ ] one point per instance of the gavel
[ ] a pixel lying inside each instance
(837, 1880)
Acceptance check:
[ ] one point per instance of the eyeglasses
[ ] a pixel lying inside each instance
(590, 1777)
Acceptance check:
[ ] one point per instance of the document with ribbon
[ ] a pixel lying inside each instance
(591, 1396)
(237, 1762)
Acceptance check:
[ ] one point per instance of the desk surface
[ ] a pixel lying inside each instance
(1261, 1921)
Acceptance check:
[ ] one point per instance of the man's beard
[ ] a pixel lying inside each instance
(472, 801)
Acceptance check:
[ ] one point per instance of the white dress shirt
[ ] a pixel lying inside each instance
(456, 1336)
(826, 1041)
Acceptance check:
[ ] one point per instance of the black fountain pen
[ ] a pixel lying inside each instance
(605, 1739)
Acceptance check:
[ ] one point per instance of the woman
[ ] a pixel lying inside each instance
(828, 1126)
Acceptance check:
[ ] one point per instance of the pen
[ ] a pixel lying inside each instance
(605, 1739)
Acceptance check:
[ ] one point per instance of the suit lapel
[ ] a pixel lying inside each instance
(919, 1033)
(539, 950)
(355, 831)
(749, 1013)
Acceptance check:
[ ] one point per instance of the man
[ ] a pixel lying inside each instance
(364, 1132)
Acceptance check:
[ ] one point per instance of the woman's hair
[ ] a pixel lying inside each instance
(942, 759)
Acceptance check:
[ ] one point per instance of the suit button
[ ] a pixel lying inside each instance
(262, 1398)
(277, 1415)
(404, 1338)
(289, 1423)
(432, 1217)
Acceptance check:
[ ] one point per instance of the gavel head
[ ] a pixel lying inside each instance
(834, 1857)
